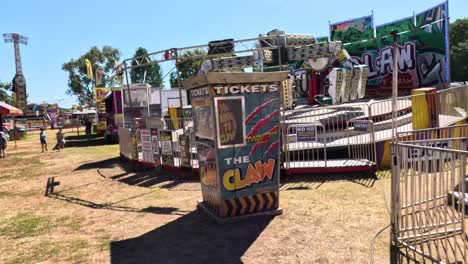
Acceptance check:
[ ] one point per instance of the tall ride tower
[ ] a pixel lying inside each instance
(19, 82)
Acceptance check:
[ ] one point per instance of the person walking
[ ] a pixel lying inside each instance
(88, 126)
(43, 139)
(3, 143)
(60, 140)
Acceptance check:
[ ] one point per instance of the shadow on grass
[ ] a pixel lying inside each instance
(82, 141)
(312, 182)
(407, 256)
(192, 238)
(113, 207)
(137, 175)
(102, 164)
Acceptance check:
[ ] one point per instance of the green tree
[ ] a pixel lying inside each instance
(153, 72)
(188, 67)
(78, 82)
(6, 93)
(459, 50)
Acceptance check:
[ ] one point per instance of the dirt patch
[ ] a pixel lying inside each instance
(105, 211)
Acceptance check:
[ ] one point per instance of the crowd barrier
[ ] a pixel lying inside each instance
(429, 185)
(335, 136)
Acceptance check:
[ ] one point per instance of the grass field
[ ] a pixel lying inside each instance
(108, 211)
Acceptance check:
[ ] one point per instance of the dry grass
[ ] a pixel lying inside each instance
(104, 213)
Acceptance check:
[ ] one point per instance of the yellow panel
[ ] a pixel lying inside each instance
(420, 109)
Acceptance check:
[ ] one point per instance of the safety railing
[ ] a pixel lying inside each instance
(429, 185)
(380, 112)
(334, 120)
(303, 146)
(361, 142)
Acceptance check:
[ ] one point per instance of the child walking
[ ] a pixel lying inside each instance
(43, 138)
(3, 143)
(60, 140)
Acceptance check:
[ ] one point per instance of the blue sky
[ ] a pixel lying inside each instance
(60, 30)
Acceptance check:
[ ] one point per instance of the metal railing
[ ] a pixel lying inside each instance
(434, 133)
(429, 185)
(452, 104)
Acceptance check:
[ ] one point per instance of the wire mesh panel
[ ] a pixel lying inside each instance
(429, 185)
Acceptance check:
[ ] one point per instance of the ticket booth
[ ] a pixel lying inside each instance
(237, 130)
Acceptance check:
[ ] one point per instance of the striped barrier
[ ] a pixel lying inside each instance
(250, 204)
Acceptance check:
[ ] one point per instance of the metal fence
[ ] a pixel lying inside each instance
(429, 185)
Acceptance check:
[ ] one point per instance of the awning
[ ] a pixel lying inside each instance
(6, 109)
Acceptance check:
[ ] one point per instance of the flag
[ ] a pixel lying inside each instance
(118, 73)
(98, 76)
(89, 69)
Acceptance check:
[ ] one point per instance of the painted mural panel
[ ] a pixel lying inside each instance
(252, 169)
(402, 25)
(353, 30)
(421, 60)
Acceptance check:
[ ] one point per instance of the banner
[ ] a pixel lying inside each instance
(353, 30)
(402, 25)
(89, 69)
(99, 74)
(437, 18)
(421, 60)
(100, 93)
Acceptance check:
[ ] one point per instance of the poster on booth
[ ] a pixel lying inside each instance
(207, 166)
(202, 113)
(248, 138)
(167, 156)
(146, 146)
(230, 127)
(184, 141)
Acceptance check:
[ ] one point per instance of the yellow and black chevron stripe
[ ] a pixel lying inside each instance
(250, 204)
(213, 202)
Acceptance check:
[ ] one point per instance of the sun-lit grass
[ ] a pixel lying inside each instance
(38, 252)
(25, 225)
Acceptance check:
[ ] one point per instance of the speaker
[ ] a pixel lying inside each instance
(221, 46)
